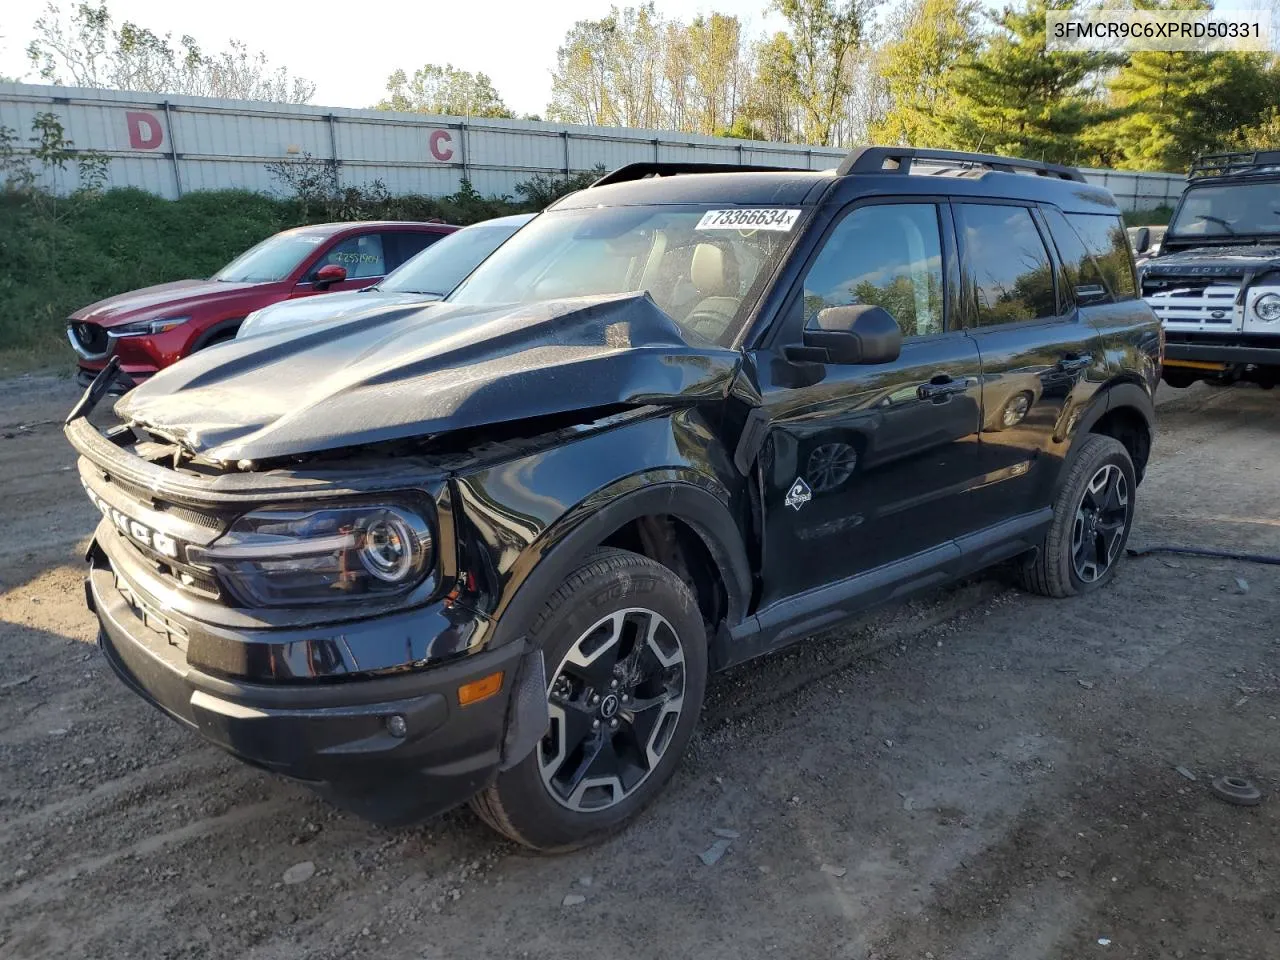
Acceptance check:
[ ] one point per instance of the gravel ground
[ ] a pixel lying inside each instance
(980, 774)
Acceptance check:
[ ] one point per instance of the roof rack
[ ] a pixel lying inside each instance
(1229, 164)
(638, 171)
(900, 160)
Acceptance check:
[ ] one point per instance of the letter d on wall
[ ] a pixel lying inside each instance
(145, 131)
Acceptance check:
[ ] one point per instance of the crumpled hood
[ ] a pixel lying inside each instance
(295, 313)
(409, 371)
(1234, 259)
(170, 299)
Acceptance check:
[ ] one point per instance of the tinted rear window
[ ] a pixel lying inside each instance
(1084, 276)
(1104, 237)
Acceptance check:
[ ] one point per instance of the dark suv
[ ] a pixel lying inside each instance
(491, 549)
(1215, 282)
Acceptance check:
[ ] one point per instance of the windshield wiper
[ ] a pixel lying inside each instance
(1212, 219)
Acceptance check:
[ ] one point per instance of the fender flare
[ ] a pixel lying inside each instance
(230, 325)
(566, 542)
(1122, 395)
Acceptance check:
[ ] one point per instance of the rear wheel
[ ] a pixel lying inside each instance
(625, 653)
(1091, 521)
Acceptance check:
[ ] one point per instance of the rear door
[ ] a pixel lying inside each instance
(1036, 351)
(864, 465)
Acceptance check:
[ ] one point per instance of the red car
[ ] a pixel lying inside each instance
(156, 326)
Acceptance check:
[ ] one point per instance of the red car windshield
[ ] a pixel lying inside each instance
(271, 260)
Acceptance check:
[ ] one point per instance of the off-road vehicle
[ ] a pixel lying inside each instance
(1215, 283)
(491, 549)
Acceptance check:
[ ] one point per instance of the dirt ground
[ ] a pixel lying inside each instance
(981, 774)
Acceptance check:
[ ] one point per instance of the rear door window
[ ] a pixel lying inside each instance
(1008, 267)
(1104, 237)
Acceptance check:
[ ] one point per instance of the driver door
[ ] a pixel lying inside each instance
(865, 465)
(361, 256)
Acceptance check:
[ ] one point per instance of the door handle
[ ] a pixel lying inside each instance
(941, 388)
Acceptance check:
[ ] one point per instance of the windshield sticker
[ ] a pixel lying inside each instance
(749, 219)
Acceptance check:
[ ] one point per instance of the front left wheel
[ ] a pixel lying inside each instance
(625, 654)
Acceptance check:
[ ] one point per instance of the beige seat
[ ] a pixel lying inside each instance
(714, 272)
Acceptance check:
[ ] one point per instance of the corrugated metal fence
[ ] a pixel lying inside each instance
(174, 146)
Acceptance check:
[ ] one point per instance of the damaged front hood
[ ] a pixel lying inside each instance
(415, 371)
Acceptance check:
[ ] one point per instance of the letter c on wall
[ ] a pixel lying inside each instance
(145, 132)
(441, 142)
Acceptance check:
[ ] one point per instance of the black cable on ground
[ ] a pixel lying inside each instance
(1203, 552)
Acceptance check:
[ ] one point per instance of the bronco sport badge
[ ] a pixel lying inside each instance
(799, 494)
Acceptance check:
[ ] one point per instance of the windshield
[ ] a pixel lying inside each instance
(699, 264)
(1228, 210)
(273, 259)
(446, 263)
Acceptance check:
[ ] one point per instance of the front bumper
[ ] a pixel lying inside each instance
(334, 734)
(125, 380)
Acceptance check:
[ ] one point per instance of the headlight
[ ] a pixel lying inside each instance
(146, 328)
(294, 556)
(1267, 307)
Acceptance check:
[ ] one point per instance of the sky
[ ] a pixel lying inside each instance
(350, 48)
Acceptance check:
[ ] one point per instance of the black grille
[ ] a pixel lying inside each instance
(91, 337)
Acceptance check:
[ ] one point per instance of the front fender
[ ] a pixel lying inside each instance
(527, 523)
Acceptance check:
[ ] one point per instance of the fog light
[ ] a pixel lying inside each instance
(481, 689)
(396, 725)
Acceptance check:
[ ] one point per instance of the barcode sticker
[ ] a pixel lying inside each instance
(742, 218)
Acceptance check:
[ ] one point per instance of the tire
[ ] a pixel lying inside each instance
(1056, 569)
(1179, 379)
(605, 611)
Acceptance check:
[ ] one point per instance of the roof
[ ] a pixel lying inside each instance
(866, 171)
(790, 187)
(329, 229)
(515, 220)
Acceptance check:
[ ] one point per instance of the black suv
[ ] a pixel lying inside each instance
(490, 549)
(1215, 283)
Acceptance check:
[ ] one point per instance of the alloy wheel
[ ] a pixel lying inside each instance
(830, 465)
(1101, 519)
(1015, 410)
(614, 701)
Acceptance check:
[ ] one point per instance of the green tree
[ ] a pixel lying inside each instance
(825, 36)
(1019, 98)
(81, 48)
(1173, 105)
(919, 69)
(771, 103)
(443, 90)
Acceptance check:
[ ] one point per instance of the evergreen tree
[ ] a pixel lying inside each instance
(1016, 97)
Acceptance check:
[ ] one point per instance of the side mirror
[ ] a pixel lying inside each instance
(1142, 240)
(862, 333)
(328, 275)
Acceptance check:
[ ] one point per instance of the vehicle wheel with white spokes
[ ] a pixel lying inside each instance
(625, 655)
(1092, 517)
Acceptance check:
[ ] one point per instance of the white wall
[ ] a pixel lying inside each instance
(174, 146)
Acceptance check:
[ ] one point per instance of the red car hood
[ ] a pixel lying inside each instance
(169, 299)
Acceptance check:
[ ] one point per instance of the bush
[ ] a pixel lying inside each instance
(1157, 217)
